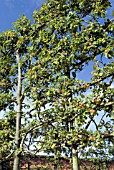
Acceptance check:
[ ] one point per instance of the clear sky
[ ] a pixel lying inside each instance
(10, 11)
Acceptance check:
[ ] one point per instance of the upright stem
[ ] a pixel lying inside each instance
(75, 159)
(18, 115)
(75, 163)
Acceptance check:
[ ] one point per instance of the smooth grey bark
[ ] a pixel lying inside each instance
(75, 163)
(55, 167)
(18, 116)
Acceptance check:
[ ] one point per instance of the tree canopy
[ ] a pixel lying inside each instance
(45, 98)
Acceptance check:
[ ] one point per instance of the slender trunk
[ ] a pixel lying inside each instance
(29, 157)
(28, 165)
(75, 163)
(1, 161)
(55, 167)
(18, 116)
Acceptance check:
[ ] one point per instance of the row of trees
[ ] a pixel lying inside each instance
(47, 106)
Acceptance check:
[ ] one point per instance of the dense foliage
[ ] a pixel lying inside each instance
(63, 60)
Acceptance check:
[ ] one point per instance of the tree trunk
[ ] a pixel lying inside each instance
(75, 163)
(18, 116)
(55, 166)
(28, 165)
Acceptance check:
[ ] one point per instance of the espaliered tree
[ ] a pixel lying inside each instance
(75, 36)
(13, 47)
(15, 63)
(42, 62)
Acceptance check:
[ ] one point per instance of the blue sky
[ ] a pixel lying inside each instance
(10, 11)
